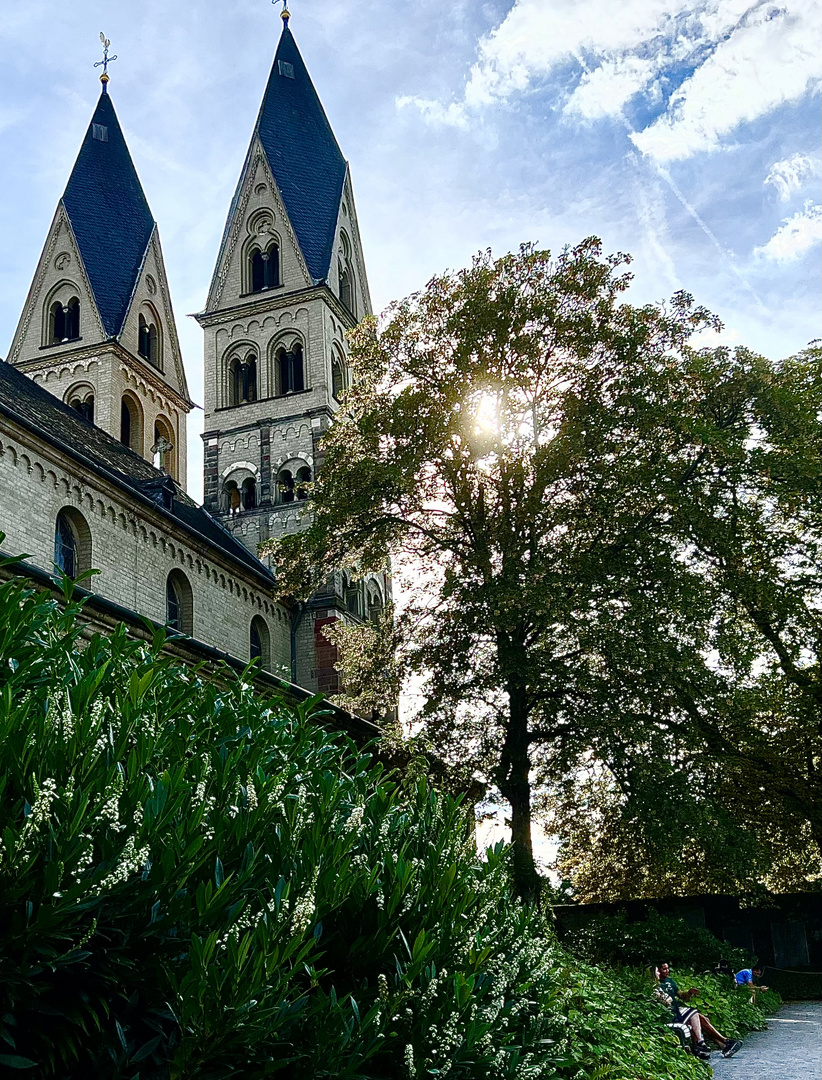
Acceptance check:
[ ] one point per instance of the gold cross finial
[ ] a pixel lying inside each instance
(104, 63)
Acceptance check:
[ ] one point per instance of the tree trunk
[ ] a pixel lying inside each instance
(816, 831)
(512, 778)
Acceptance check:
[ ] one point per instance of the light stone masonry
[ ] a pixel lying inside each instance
(134, 546)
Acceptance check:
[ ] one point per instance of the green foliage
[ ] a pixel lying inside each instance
(711, 842)
(795, 985)
(197, 883)
(729, 1009)
(368, 664)
(613, 940)
(616, 538)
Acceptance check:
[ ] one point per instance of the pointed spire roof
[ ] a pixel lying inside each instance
(303, 154)
(109, 214)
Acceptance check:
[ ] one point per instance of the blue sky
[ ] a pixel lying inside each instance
(684, 133)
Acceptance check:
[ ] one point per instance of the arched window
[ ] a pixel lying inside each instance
(72, 542)
(265, 268)
(346, 287)
(243, 379)
(285, 481)
(249, 493)
(81, 399)
(232, 501)
(65, 547)
(260, 643)
(72, 324)
(143, 341)
(84, 408)
(57, 323)
(337, 377)
(302, 482)
(148, 341)
(179, 603)
(374, 605)
(290, 375)
(345, 275)
(131, 423)
(294, 485)
(352, 599)
(64, 321)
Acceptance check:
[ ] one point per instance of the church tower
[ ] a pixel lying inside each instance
(289, 282)
(97, 329)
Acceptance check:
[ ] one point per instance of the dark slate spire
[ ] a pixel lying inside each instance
(303, 154)
(109, 214)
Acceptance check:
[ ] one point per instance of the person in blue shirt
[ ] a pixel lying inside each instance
(745, 978)
(684, 1014)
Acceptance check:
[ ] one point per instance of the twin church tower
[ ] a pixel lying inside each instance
(289, 282)
(98, 331)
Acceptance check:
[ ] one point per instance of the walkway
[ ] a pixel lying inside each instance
(791, 1048)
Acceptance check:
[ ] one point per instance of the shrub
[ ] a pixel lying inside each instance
(612, 939)
(795, 985)
(730, 1010)
(198, 883)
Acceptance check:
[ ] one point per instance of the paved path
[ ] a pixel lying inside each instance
(791, 1048)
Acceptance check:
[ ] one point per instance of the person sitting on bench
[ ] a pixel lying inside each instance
(692, 1018)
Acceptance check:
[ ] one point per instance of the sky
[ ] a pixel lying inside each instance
(685, 133)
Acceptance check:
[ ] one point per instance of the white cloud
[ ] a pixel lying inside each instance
(538, 34)
(770, 59)
(437, 114)
(795, 236)
(748, 57)
(606, 90)
(790, 175)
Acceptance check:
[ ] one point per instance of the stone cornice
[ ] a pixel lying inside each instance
(269, 301)
(112, 347)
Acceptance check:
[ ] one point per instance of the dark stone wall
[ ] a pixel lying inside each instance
(784, 931)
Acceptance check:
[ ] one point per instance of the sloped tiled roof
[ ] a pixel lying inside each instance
(110, 215)
(302, 151)
(26, 401)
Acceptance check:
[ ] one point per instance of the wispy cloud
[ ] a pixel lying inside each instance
(535, 36)
(791, 175)
(795, 236)
(770, 58)
(451, 115)
(730, 61)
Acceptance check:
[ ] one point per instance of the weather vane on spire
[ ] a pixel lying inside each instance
(285, 14)
(104, 63)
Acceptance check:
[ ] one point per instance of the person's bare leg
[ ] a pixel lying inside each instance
(711, 1031)
(696, 1027)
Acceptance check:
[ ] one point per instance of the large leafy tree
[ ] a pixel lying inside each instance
(532, 443)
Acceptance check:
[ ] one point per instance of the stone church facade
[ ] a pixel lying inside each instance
(94, 399)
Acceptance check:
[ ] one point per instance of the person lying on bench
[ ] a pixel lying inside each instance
(692, 1018)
